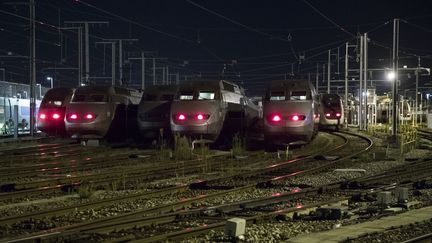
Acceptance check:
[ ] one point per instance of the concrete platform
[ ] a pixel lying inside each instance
(357, 230)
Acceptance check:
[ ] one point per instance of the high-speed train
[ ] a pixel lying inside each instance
(290, 112)
(154, 112)
(52, 111)
(97, 112)
(207, 109)
(331, 111)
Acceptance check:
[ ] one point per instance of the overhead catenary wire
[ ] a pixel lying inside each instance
(330, 20)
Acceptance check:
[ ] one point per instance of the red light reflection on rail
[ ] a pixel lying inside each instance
(295, 190)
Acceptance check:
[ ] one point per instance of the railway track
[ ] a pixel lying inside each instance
(178, 205)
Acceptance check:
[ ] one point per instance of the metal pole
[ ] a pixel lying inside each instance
(317, 77)
(79, 56)
(338, 53)
(121, 62)
(32, 70)
(395, 85)
(361, 85)
(328, 72)
(142, 70)
(346, 82)
(163, 75)
(154, 71)
(416, 92)
(177, 78)
(167, 75)
(365, 72)
(87, 53)
(323, 72)
(113, 61)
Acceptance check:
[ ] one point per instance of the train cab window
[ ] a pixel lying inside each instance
(298, 95)
(167, 97)
(186, 95)
(97, 98)
(277, 95)
(55, 103)
(150, 97)
(206, 95)
(78, 98)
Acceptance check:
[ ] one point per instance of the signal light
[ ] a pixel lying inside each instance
(276, 118)
(181, 117)
(56, 116)
(202, 116)
(42, 116)
(297, 117)
(73, 116)
(89, 116)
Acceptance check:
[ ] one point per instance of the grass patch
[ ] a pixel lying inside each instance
(86, 191)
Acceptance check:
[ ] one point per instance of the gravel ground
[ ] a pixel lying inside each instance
(266, 232)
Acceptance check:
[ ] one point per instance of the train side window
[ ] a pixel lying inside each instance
(167, 97)
(229, 87)
(206, 95)
(277, 95)
(78, 98)
(97, 98)
(55, 102)
(150, 97)
(298, 95)
(186, 95)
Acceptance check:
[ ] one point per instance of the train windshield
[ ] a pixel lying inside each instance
(155, 97)
(206, 95)
(90, 98)
(298, 95)
(186, 95)
(277, 95)
(332, 102)
(167, 97)
(150, 97)
(55, 98)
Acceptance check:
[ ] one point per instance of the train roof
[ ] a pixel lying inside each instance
(58, 91)
(108, 89)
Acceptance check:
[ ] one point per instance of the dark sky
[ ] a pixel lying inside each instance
(265, 38)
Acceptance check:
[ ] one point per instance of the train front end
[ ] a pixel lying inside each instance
(197, 114)
(52, 111)
(89, 115)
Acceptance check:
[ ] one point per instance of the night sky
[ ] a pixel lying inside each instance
(250, 42)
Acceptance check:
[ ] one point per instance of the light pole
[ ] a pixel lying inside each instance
(51, 81)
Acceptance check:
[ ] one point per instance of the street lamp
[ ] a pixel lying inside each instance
(51, 80)
(391, 76)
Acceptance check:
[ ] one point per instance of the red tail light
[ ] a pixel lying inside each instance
(89, 116)
(328, 114)
(202, 116)
(56, 116)
(297, 117)
(276, 118)
(73, 116)
(42, 116)
(338, 114)
(181, 117)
